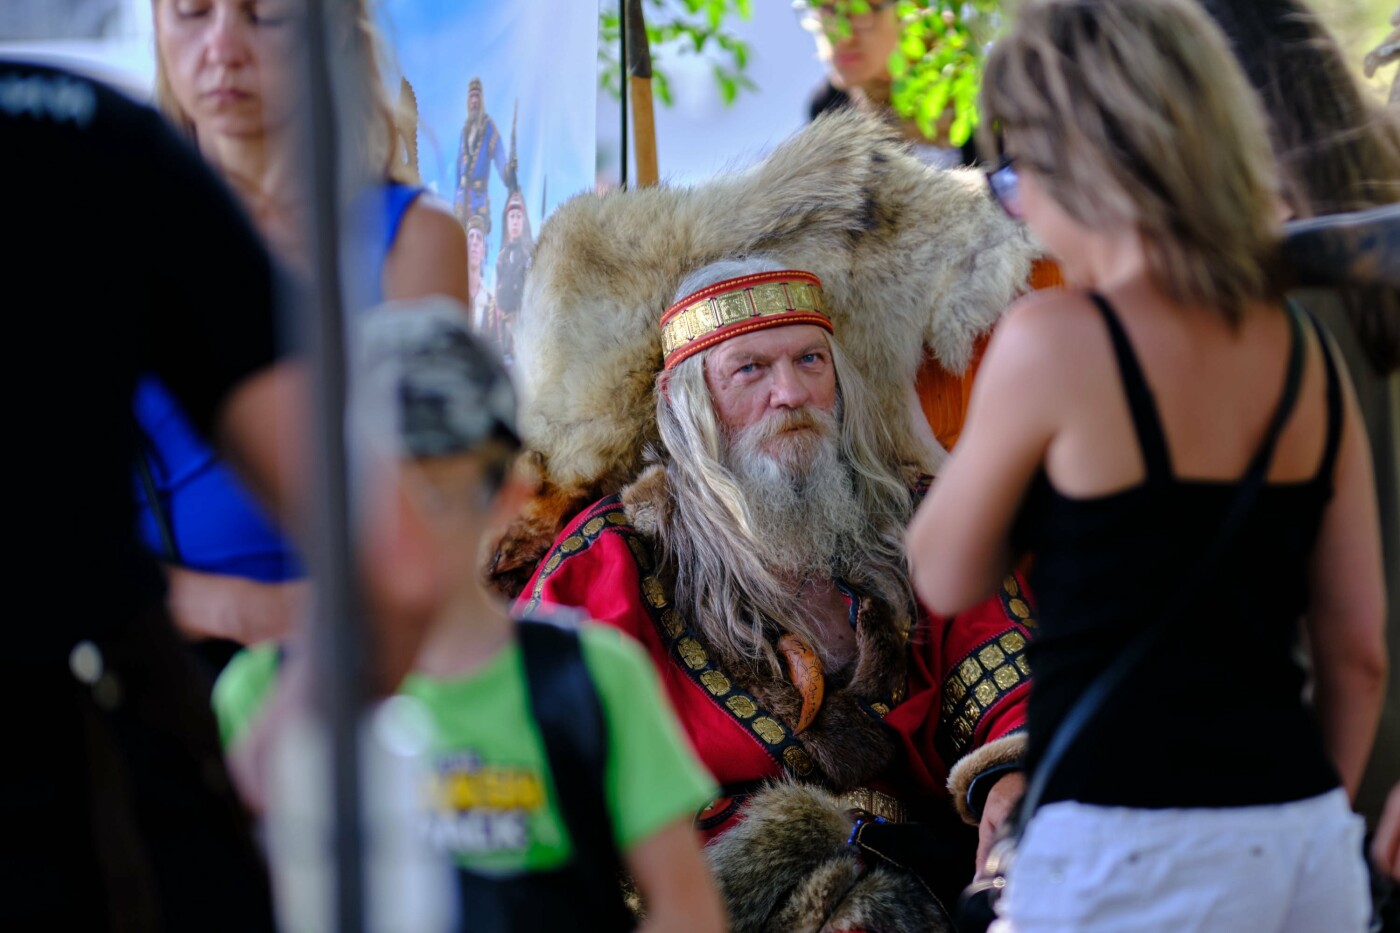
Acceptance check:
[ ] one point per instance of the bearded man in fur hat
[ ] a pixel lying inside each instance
(759, 560)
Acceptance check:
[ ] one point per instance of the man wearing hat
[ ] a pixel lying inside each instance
(480, 147)
(480, 305)
(511, 266)
(759, 560)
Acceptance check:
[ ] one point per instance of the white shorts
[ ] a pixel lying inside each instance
(1295, 867)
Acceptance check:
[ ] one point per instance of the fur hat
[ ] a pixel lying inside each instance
(912, 260)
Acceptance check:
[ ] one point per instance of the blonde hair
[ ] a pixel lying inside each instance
(383, 138)
(1136, 113)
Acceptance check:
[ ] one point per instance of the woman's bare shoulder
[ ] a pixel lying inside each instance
(1052, 308)
(1047, 330)
(429, 219)
(429, 254)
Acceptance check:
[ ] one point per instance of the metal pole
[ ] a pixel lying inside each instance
(337, 635)
(622, 83)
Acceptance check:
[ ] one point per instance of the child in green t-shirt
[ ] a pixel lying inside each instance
(494, 805)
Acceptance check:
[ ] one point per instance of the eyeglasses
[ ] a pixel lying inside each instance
(817, 15)
(1005, 185)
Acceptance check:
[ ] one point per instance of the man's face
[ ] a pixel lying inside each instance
(768, 382)
(473, 102)
(515, 223)
(476, 248)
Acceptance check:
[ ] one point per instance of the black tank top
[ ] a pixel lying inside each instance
(1214, 716)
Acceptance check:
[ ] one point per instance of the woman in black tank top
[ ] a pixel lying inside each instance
(1111, 431)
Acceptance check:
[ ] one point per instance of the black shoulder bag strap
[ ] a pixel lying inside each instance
(566, 707)
(1103, 686)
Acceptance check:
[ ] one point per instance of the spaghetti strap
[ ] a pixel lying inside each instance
(1288, 400)
(1141, 405)
(1334, 399)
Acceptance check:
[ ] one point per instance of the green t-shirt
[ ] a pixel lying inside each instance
(493, 803)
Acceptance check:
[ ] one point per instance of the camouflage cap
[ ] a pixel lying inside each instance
(427, 385)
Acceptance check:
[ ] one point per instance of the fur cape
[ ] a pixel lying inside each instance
(913, 261)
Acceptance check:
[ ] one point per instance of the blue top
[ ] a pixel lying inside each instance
(216, 524)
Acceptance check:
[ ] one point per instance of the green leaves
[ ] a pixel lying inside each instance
(937, 67)
(676, 28)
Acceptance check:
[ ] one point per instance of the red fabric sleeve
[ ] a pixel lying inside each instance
(599, 574)
(968, 683)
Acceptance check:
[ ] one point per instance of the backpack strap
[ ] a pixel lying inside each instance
(567, 709)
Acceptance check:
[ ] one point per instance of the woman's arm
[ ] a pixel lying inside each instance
(429, 256)
(674, 881)
(958, 542)
(209, 605)
(1346, 611)
(1385, 845)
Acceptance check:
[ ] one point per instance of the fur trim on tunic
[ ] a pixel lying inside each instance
(1007, 750)
(787, 866)
(912, 260)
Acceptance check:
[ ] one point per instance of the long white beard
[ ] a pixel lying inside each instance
(799, 492)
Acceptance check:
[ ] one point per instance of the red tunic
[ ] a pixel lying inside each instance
(966, 687)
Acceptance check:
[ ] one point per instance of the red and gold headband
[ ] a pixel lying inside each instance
(740, 306)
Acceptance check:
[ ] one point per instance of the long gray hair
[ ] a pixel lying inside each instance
(724, 568)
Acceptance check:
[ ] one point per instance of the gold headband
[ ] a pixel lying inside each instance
(740, 306)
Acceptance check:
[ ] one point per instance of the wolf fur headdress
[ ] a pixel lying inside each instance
(913, 260)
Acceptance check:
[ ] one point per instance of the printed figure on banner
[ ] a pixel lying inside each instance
(481, 147)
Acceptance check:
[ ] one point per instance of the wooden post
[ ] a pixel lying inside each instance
(638, 72)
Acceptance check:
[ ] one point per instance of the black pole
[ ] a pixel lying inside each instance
(622, 83)
(337, 658)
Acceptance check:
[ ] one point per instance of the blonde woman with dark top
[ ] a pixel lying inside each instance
(1109, 432)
